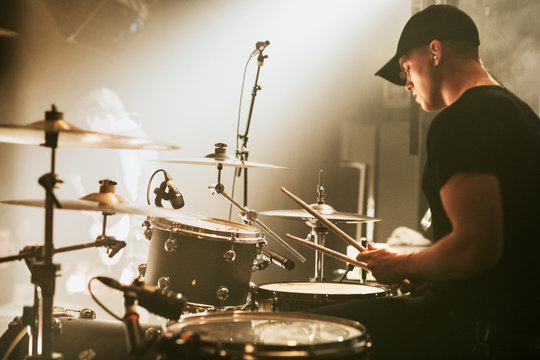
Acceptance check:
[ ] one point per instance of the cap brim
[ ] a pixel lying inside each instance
(391, 71)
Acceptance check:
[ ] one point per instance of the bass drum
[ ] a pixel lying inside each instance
(74, 338)
(299, 296)
(257, 335)
(207, 260)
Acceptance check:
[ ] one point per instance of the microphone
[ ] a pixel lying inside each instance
(174, 196)
(162, 302)
(277, 259)
(259, 47)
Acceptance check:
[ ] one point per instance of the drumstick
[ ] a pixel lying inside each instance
(325, 221)
(329, 252)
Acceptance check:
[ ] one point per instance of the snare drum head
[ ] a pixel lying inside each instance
(268, 335)
(209, 228)
(323, 288)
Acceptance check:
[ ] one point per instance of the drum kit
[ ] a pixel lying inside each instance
(222, 315)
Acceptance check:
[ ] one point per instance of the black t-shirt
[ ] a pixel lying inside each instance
(490, 130)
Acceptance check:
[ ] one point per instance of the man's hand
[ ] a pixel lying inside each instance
(386, 266)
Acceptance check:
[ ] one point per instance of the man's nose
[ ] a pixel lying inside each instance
(409, 85)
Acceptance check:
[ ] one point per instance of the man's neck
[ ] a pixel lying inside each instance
(462, 75)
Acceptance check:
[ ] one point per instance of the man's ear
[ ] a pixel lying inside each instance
(435, 48)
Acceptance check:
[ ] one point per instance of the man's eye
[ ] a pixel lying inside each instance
(404, 71)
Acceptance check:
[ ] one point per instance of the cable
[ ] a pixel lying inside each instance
(240, 103)
(349, 268)
(238, 131)
(99, 302)
(14, 343)
(150, 183)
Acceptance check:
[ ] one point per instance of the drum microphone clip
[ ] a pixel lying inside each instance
(172, 195)
(113, 246)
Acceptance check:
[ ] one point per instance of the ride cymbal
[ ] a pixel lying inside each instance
(325, 210)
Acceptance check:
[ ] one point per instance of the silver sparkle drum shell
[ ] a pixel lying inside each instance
(207, 260)
(257, 335)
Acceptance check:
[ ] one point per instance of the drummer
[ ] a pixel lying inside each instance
(474, 293)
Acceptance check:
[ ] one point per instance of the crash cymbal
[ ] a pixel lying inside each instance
(324, 209)
(85, 205)
(221, 157)
(72, 136)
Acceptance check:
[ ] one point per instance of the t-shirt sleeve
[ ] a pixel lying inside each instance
(460, 144)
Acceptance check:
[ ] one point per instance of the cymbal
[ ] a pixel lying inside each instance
(108, 198)
(234, 162)
(85, 205)
(70, 135)
(220, 157)
(324, 209)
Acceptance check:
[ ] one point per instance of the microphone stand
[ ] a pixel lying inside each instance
(243, 153)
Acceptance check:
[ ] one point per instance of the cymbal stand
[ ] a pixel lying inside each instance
(243, 153)
(318, 233)
(318, 236)
(44, 271)
(249, 216)
(36, 316)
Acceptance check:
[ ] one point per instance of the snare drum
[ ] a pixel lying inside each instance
(258, 335)
(299, 296)
(208, 260)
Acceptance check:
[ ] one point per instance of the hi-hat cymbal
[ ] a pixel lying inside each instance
(70, 135)
(326, 210)
(85, 205)
(220, 157)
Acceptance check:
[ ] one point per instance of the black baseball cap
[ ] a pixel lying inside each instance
(436, 22)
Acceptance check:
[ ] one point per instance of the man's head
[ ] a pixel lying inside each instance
(445, 23)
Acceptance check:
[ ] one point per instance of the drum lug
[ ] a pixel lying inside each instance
(141, 269)
(57, 326)
(148, 231)
(164, 282)
(275, 301)
(87, 313)
(152, 333)
(87, 354)
(230, 255)
(171, 244)
(222, 293)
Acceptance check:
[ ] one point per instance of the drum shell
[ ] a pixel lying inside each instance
(74, 337)
(286, 300)
(233, 338)
(198, 268)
